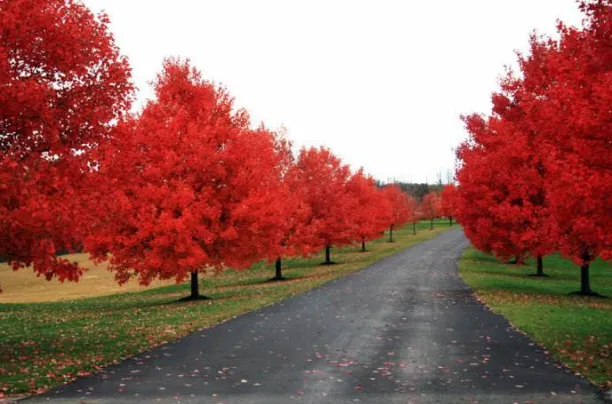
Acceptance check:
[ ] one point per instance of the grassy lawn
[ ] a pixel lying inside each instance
(577, 330)
(49, 343)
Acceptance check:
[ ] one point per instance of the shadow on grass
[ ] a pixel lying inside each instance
(588, 294)
(277, 279)
(502, 274)
(193, 298)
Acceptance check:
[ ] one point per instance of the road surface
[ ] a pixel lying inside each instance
(405, 330)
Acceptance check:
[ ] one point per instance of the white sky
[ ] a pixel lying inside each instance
(382, 83)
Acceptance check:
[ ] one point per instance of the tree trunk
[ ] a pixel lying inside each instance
(278, 266)
(413, 228)
(195, 289)
(585, 284)
(328, 254)
(363, 245)
(391, 234)
(431, 224)
(540, 270)
(195, 286)
(279, 272)
(450, 219)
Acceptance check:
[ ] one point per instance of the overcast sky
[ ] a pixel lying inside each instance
(382, 83)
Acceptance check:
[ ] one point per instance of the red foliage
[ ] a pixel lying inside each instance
(550, 131)
(323, 180)
(297, 236)
(448, 203)
(505, 211)
(63, 82)
(189, 186)
(398, 208)
(430, 206)
(414, 209)
(370, 216)
(567, 92)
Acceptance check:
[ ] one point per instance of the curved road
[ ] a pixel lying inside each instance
(405, 330)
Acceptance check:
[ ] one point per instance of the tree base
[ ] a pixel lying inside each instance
(590, 294)
(277, 279)
(194, 298)
(539, 276)
(329, 263)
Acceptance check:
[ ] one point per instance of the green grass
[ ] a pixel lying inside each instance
(46, 344)
(575, 329)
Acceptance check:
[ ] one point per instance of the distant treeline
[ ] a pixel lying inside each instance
(416, 190)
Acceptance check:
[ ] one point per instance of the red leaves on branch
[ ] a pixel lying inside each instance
(430, 206)
(63, 82)
(536, 175)
(370, 217)
(186, 185)
(504, 211)
(190, 186)
(63, 79)
(398, 208)
(323, 180)
(568, 95)
(448, 202)
(296, 229)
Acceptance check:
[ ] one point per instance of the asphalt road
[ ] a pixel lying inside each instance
(405, 330)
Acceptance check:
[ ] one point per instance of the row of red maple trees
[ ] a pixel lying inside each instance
(182, 186)
(535, 176)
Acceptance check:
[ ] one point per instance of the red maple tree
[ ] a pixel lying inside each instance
(370, 217)
(566, 91)
(430, 207)
(63, 84)
(413, 207)
(323, 179)
(506, 212)
(398, 208)
(480, 194)
(448, 202)
(297, 235)
(550, 131)
(189, 187)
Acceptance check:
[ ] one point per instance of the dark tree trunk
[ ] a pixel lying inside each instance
(413, 228)
(278, 267)
(195, 286)
(585, 284)
(363, 249)
(540, 268)
(431, 224)
(328, 255)
(391, 234)
(279, 271)
(450, 219)
(195, 289)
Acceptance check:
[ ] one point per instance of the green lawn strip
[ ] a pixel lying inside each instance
(43, 345)
(575, 329)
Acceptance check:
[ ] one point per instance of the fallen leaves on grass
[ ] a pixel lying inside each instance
(44, 345)
(590, 355)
